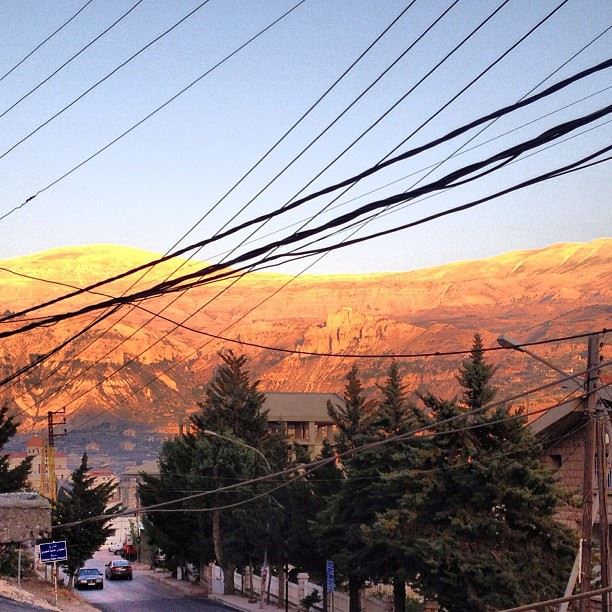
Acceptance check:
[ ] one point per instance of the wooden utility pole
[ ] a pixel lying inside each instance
(50, 448)
(602, 488)
(589, 469)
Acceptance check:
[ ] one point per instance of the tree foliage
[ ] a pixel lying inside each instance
(86, 499)
(228, 443)
(476, 515)
(11, 479)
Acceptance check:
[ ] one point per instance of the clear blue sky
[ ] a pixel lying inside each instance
(148, 189)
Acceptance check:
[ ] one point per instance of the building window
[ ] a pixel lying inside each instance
(556, 460)
(298, 430)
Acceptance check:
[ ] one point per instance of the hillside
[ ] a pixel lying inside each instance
(528, 295)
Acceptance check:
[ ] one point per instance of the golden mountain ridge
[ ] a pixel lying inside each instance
(554, 291)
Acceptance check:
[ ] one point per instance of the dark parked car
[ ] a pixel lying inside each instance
(118, 569)
(89, 577)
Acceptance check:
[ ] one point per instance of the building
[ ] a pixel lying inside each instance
(35, 448)
(128, 484)
(302, 417)
(105, 476)
(561, 432)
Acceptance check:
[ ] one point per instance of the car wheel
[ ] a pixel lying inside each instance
(130, 578)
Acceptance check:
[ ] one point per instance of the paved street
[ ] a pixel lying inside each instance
(141, 594)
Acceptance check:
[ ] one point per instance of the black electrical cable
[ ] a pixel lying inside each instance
(149, 115)
(37, 47)
(253, 167)
(316, 464)
(100, 81)
(70, 59)
(549, 91)
(510, 153)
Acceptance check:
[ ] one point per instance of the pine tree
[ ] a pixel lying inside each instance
(394, 415)
(353, 418)
(345, 513)
(477, 516)
(233, 403)
(86, 500)
(11, 479)
(233, 409)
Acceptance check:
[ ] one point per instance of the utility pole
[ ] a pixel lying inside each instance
(50, 449)
(589, 468)
(602, 478)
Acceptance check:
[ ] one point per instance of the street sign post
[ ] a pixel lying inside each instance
(330, 581)
(329, 576)
(52, 552)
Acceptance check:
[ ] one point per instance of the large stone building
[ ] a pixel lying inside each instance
(303, 417)
(25, 517)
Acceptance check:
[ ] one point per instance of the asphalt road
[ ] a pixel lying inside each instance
(142, 594)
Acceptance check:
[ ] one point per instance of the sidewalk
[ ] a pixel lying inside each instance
(236, 602)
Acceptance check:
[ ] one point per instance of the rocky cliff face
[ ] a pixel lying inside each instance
(529, 295)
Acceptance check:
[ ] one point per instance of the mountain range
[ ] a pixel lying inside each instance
(155, 379)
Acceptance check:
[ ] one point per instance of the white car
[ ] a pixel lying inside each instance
(115, 548)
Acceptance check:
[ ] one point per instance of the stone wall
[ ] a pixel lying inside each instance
(24, 517)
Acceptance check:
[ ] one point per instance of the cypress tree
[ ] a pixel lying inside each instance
(86, 500)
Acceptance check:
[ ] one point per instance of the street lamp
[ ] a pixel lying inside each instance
(214, 434)
(264, 571)
(506, 342)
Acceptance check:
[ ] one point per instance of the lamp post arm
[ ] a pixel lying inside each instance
(506, 342)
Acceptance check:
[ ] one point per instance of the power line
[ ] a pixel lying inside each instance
(149, 115)
(571, 167)
(69, 60)
(97, 83)
(28, 55)
(235, 185)
(530, 100)
(367, 89)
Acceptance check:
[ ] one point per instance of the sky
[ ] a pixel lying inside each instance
(153, 185)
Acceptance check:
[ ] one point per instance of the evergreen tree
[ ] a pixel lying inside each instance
(478, 521)
(233, 409)
(11, 479)
(233, 403)
(344, 513)
(353, 418)
(86, 500)
(394, 416)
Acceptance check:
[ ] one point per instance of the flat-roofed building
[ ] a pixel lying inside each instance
(302, 416)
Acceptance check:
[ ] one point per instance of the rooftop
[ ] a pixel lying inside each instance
(299, 406)
(23, 500)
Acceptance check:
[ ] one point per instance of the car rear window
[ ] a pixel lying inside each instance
(121, 563)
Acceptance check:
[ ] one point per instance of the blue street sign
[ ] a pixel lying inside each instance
(329, 576)
(53, 551)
